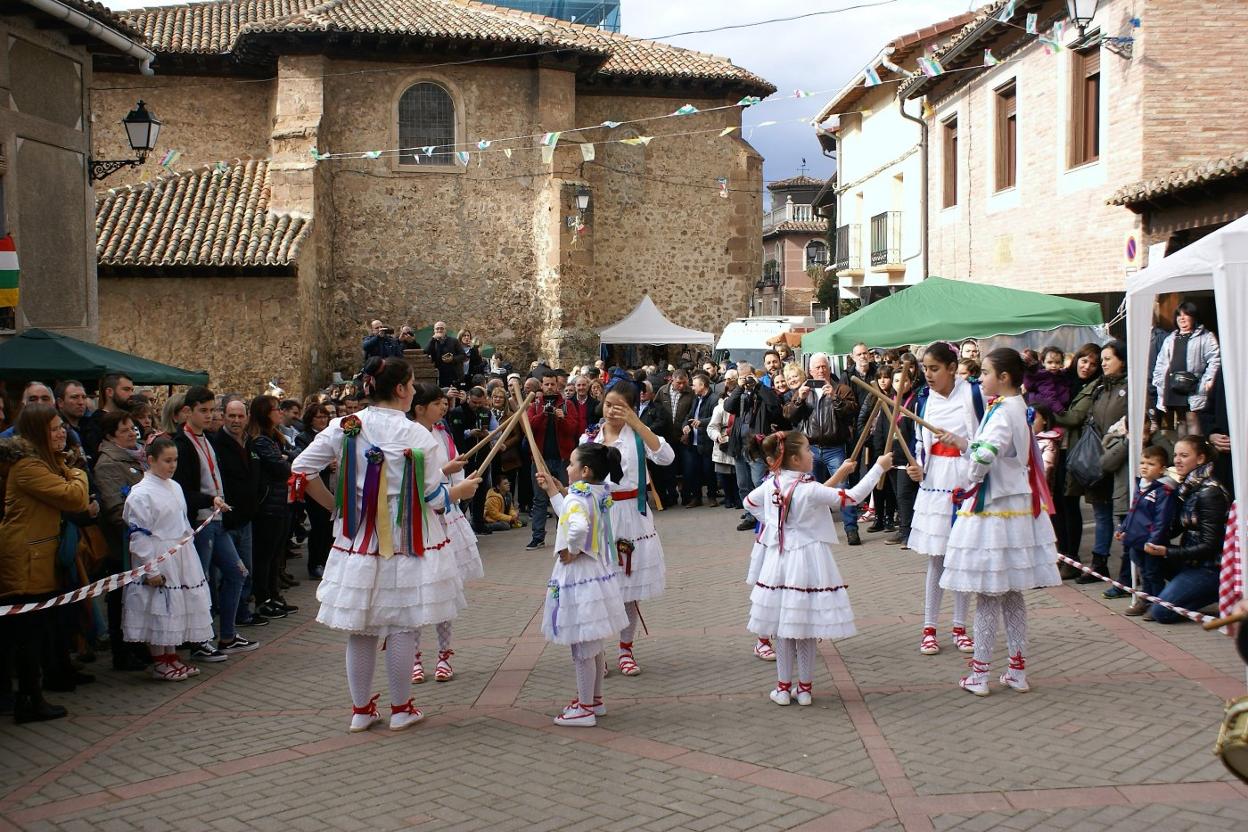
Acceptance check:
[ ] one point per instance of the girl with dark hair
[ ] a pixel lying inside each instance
(171, 605)
(799, 595)
(271, 525)
(954, 406)
(1086, 375)
(1186, 367)
(429, 408)
(643, 573)
(390, 569)
(38, 488)
(583, 602)
(316, 417)
(1002, 542)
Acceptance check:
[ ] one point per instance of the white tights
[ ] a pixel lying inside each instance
(362, 659)
(799, 650)
(626, 635)
(444, 638)
(931, 601)
(989, 611)
(590, 662)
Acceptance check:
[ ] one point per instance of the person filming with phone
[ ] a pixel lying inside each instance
(557, 427)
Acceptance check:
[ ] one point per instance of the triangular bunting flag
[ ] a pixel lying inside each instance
(462, 157)
(552, 139)
(428, 149)
(548, 154)
(1006, 13)
(930, 67)
(8, 271)
(685, 110)
(507, 152)
(749, 101)
(483, 144)
(372, 154)
(1032, 20)
(611, 125)
(728, 130)
(989, 58)
(587, 151)
(802, 94)
(871, 78)
(636, 140)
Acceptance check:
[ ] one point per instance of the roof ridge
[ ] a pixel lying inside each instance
(169, 175)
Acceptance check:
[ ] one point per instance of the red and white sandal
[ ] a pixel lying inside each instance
(929, 646)
(404, 716)
(965, 643)
(166, 669)
(977, 682)
(764, 650)
(366, 717)
(577, 715)
(627, 664)
(443, 671)
(1016, 676)
(418, 671)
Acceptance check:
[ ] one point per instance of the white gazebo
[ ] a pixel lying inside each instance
(1217, 263)
(647, 325)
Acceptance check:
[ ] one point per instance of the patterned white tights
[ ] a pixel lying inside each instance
(932, 599)
(989, 611)
(362, 660)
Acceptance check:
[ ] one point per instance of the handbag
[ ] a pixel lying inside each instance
(1183, 382)
(1084, 459)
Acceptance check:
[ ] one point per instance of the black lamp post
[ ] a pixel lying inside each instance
(142, 129)
(582, 199)
(1082, 12)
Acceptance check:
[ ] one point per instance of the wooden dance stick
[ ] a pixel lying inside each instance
(894, 422)
(503, 425)
(874, 391)
(510, 422)
(866, 431)
(1233, 618)
(538, 462)
(658, 504)
(905, 447)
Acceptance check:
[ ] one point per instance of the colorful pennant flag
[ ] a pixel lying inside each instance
(552, 139)
(685, 110)
(930, 67)
(1006, 13)
(462, 157)
(483, 144)
(611, 125)
(8, 271)
(170, 157)
(317, 155)
(1032, 20)
(641, 140)
(507, 152)
(587, 151)
(428, 149)
(723, 187)
(548, 154)
(372, 154)
(749, 101)
(728, 130)
(871, 78)
(989, 58)
(802, 94)
(928, 110)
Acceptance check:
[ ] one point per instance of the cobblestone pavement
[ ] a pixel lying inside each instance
(1115, 734)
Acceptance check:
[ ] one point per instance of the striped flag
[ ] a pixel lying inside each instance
(8, 271)
(930, 67)
(871, 78)
(1007, 12)
(1231, 579)
(989, 58)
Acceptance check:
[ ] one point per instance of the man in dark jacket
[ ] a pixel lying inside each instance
(673, 401)
(199, 474)
(381, 342)
(469, 423)
(694, 446)
(826, 414)
(757, 412)
(244, 490)
(446, 353)
(556, 429)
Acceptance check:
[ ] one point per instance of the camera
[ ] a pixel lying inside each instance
(749, 381)
(549, 404)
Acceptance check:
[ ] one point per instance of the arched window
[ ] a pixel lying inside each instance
(816, 254)
(426, 119)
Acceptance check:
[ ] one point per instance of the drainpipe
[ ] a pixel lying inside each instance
(98, 30)
(901, 107)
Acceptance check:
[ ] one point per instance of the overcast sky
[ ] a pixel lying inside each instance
(815, 54)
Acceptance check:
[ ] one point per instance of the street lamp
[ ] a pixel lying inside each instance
(1082, 12)
(142, 129)
(582, 199)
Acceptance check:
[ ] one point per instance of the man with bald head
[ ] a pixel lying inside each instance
(447, 355)
(36, 392)
(380, 342)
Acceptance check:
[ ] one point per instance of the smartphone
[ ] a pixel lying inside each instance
(814, 383)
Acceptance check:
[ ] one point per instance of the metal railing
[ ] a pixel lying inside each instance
(848, 248)
(886, 238)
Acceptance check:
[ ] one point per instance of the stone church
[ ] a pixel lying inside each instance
(251, 257)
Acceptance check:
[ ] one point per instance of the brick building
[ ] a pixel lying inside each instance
(271, 263)
(795, 246)
(1024, 155)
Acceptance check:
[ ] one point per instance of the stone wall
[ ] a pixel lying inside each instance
(239, 329)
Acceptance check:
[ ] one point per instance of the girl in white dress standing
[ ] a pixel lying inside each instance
(1003, 541)
(799, 595)
(640, 561)
(583, 603)
(172, 605)
(950, 404)
(391, 569)
(429, 406)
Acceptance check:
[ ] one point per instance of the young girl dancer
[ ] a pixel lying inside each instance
(1002, 542)
(391, 569)
(639, 552)
(170, 606)
(799, 595)
(583, 603)
(953, 405)
(429, 406)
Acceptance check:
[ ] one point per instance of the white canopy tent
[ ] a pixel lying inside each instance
(647, 325)
(1217, 263)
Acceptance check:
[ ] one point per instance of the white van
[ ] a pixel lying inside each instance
(745, 339)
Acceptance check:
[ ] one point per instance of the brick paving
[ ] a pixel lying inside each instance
(1116, 733)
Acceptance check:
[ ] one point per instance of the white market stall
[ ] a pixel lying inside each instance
(1217, 263)
(647, 325)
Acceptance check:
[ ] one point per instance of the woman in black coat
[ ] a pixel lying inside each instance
(271, 525)
(1192, 564)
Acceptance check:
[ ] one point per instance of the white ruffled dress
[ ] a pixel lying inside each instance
(648, 576)
(798, 590)
(458, 528)
(933, 506)
(583, 602)
(1003, 545)
(362, 592)
(179, 611)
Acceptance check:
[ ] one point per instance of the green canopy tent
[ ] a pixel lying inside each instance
(40, 354)
(950, 310)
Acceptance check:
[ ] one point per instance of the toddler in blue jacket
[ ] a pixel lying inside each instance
(1148, 521)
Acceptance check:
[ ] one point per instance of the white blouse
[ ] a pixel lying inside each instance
(626, 444)
(954, 413)
(808, 520)
(1003, 449)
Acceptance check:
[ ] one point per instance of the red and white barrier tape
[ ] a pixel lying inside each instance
(105, 585)
(1199, 618)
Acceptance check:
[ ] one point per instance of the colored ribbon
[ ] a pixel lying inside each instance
(642, 505)
(372, 490)
(412, 516)
(296, 487)
(344, 497)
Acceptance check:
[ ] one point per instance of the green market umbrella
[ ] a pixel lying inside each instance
(939, 309)
(47, 356)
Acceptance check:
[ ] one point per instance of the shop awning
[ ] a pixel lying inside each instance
(37, 354)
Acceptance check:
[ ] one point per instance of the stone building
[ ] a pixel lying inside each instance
(276, 262)
(794, 243)
(1023, 156)
(45, 148)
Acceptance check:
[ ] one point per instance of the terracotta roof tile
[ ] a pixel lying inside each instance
(1192, 176)
(801, 181)
(798, 227)
(103, 14)
(217, 27)
(203, 217)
